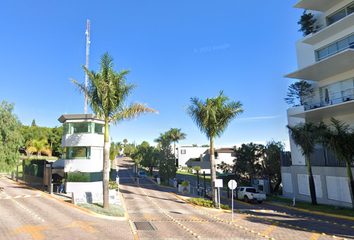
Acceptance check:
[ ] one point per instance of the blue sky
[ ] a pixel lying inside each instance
(175, 50)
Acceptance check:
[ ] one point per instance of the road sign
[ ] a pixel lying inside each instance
(218, 183)
(232, 184)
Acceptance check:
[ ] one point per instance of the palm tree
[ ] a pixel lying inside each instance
(40, 146)
(305, 135)
(176, 135)
(108, 91)
(339, 138)
(125, 142)
(212, 118)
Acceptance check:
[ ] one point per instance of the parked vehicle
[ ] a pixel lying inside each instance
(142, 174)
(249, 194)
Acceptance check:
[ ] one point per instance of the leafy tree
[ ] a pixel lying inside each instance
(224, 167)
(212, 118)
(107, 92)
(307, 22)
(129, 149)
(271, 163)
(118, 147)
(33, 123)
(10, 137)
(247, 160)
(205, 145)
(167, 167)
(338, 138)
(40, 146)
(125, 142)
(299, 93)
(194, 145)
(150, 159)
(306, 135)
(176, 135)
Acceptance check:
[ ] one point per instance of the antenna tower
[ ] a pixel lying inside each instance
(87, 61)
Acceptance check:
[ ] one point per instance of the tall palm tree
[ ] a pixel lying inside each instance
(176, 135)
(339, 138)
(125, 142)
(108, 92)
(212, 118)
(305, 135)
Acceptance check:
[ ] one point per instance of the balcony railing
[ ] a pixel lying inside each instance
(334, 101)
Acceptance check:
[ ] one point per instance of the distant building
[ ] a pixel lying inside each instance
(326, 60)
(200, 156)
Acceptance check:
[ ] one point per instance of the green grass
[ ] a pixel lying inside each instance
(317, 208)
(205, 203)
(114, 209)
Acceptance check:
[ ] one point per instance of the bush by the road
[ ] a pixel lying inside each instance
(114, 209)
(205, 203)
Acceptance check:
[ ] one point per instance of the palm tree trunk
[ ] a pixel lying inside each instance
(350, 181)
(311, 182)
(174, 154)
(213, 173)
(105, 180)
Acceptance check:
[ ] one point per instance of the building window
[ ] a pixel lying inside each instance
(76, 152)
(337, 92)
(183, 151)
(342, 13)
(83, 127)
(336, 47)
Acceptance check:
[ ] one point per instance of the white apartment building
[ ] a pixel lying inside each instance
(326, 60)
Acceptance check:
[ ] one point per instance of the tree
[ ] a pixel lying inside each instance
(224, 167)
(299, 93)
(167, 167)
(40, 146)
(247, 160)
(271, 163)
(108, 92)
(129, 149)
(118, 147)
(125, 142)
(306, 135)
(307, 22)
(338, 138)
(33, 123)
(150, 159)
(112, 152)
(176, 135)
(212, 118)
(10, 137)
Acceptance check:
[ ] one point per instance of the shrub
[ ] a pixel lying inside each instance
(78, 177)
(185, 183)
(206, 203)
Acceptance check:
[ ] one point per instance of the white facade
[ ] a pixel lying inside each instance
(326, 60)
(199, 156)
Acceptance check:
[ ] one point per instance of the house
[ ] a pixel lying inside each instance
(326, 60)
(200, 156)
(82, 144)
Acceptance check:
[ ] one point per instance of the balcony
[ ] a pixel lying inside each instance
(317, 5)
(334, 108)
(329, 67)
(330, 30)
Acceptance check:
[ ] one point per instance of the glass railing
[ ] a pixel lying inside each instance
(334, 101)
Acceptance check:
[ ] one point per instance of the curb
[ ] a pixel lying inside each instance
(314, 212)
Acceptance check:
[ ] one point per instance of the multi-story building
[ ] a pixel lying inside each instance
(326, 60)
(82, 144)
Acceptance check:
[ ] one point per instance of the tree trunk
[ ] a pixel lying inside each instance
(213, 173)
(311, 182)
(105, 180)
(350, 181)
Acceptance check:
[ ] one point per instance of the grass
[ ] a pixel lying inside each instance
(317, 208)
(114, 209)
(205, 203)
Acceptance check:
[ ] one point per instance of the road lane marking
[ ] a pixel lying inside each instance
(194, 218)
(314, 236)
(270, 229)
(34, 231)
(84, 225)
(148, 216)
(21, 196)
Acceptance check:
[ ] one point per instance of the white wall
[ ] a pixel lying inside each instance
(191, 152)
(82, 139)
(95, 164)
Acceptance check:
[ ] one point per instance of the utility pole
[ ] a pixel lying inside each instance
(87, 61)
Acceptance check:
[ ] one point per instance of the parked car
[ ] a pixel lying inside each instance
(142, 174)
(249, 194)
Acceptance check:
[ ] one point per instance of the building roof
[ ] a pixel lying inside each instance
(225, 150)
(66, 117)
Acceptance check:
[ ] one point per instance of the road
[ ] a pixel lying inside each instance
(164, 215)
(30, 214)
(156, 212)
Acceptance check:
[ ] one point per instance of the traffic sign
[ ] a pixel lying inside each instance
(232, 184)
